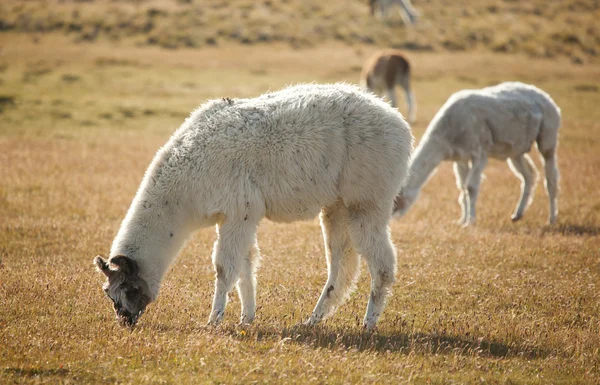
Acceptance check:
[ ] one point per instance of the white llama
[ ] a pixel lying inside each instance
(383, 71)
(500, 122)
(408, 13)
(286, 156)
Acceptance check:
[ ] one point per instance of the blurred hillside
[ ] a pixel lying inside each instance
(540, 28)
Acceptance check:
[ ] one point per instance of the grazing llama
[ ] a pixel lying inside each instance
(383, 71)
(286, 156)
(500, 122)
(408, 13)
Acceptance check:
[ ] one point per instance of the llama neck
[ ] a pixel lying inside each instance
(156, 225)
(152, 234)
(427, 156)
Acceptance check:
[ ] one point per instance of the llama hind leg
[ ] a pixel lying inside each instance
(524, 168)
(369, 232)
(551, 183)
(473, 183)
(461, 171)
(410, 97)
(246, 285)
(229, 258)
(408, 13)
(342, 262)
(391, 94)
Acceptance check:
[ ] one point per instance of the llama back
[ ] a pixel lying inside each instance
(534, 101)
(306, 145)
(527, 93)
(506, 119)
(551, 113)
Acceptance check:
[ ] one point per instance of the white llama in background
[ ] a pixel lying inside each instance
(286, 156)
(500, 122)
(383, 71)
(407, 11)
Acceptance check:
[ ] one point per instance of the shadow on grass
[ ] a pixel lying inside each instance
(35, 372)
(566, 229)
(323, 336)
(570, 229)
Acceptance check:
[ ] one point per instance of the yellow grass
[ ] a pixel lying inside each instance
(540, 28)
(498, 303)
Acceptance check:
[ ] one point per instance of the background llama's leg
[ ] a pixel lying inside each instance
(408, 13)
(342, 262)
(473, 182)
(246, 286)
(551, 183)
(391, 94)
(229, 254)
(410, 98)
(383, 7)
(368, 228)
(461, 171)
(524, 168)
(546, 143)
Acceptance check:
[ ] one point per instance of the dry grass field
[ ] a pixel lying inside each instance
(80, 120)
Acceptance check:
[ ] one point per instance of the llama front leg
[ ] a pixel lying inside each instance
(342, 262)
(524, 168)
(368, 229)
(230, 253)
(461, 171)
(473, 183)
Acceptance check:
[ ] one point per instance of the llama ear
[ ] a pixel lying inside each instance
(102, 266)
(124, 264)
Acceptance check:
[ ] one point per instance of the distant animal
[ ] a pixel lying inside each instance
(501, 122)
(286, 156)
(408, 13)
(383, 71)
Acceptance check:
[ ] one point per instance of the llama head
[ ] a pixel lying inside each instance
(129, 292)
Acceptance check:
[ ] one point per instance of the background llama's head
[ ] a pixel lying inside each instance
(128, 291)
(403, 201)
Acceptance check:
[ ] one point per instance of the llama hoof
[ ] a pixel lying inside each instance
(369, 325)
(309, 322)
(313, 320)
(516, 217)
(212, 324)
(246, 319)
(460, 221)
(215, 318)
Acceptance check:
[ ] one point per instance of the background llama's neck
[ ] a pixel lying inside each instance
(426, 158)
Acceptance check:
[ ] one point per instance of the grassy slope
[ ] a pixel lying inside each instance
(501, 302)
(542, 28)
